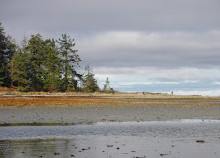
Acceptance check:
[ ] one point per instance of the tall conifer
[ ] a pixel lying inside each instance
(70, 60)
(7, 49)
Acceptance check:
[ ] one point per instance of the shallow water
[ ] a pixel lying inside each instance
(182, 138)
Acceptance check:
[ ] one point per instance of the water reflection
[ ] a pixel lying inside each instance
(183, 128)
(110, 146)
(115, 139)
(36, 148)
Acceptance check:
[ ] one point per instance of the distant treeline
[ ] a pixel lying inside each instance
(44, 65)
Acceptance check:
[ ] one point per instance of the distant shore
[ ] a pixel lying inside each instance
(103, 99)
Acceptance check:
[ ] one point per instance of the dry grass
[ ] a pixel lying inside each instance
(122, 99)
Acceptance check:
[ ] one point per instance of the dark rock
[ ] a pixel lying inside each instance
(56, 153)
(109, 146)
(200, 141)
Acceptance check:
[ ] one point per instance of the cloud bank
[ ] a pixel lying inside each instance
(164, 49)
(153, 45)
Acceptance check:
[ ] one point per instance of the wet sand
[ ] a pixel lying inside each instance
(106, 114)
(106, 108)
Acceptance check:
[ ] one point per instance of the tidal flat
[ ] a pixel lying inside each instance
(122, 125)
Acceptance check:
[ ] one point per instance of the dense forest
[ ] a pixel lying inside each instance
(44, 65)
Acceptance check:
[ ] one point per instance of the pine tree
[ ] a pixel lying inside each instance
(35, 51)
(26, 67)
(70, 60)
(52, 66)
(106, 85)
(7, 48)
(89, 82)
(19, 67)
(42, 65)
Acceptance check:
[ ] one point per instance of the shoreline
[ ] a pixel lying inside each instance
(93, 108)
(89, 125)
(103, 99)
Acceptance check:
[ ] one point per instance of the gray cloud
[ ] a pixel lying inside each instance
(157, 41)
(125, 33)
(96, 15)
(166, 50)
(154, 75)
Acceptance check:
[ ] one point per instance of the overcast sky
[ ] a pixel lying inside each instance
(141, 45)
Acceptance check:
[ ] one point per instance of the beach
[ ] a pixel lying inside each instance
(105, 108)
(109, 125)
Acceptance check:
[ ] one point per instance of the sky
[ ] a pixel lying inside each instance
(140, 45)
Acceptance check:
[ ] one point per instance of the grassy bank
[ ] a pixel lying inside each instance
(102, 99)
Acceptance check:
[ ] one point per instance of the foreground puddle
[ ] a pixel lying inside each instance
(182, 138)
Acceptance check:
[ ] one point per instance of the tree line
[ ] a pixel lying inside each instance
(44, 65)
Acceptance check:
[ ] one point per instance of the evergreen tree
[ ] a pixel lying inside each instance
(19, 67)
(26, 67)
(106, 85)
(7, 49)
(89, 82)
(42, 65)
(35, 52)
(69, 59)
(52, 66)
